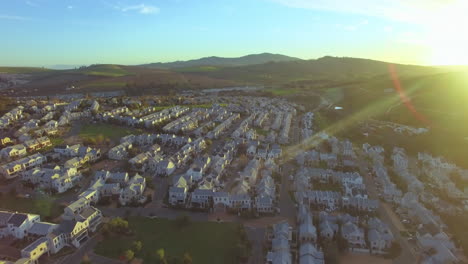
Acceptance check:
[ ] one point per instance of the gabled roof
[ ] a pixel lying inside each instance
(66, 226)
(18, 219)
(41, 228)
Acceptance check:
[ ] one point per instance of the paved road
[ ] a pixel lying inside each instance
(287, 206)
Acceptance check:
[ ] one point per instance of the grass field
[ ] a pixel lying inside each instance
(112, 132)
(206, 242)
(43, 206)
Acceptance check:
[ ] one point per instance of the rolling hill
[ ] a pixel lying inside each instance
(223, 62)
(291, 73)
(323, 69)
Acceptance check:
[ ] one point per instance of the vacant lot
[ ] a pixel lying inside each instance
(112, 132)
(206, 242)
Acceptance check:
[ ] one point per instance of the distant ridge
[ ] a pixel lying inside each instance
(251, 59)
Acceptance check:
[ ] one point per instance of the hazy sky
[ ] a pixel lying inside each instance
(77, 32)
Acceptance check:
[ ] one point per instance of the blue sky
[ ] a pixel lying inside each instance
(81, 32)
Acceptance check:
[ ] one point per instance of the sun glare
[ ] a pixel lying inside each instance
(446, 35)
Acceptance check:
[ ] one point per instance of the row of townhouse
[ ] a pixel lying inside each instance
(120, 152)
(48, 116)
(106, 184)
(280, 239)
(75, 151)
(207, 198)
(205, 128)
(12, 169)
(265, 193)
(49, 238)
(390, 191)
(68, 117)
(331, 176)
(331, 200)
(187, 122)
(342, 147)
(198, 168)
(309, 253)
(251, 172)
(263, 151)
(105, 116)
(47, 130)
(379, 236)
(54, 178)
(143, 161)
(400, 166)
(73, 105)
(21, 150)
(219, 129)
(437, 246)
(187, 152)
(243, 127)
(150, 139)
(240, 199)
(158, 118)
(262, 117)
(284, 133)
(307, 125)
(11, 117)
(277, 121)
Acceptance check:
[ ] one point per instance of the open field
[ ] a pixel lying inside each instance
(44, 206)
(207, 242)
(112, 132)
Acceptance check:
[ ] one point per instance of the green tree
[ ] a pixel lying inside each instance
(137, 246)
(161, 256)
(118, 225)
(129, 254)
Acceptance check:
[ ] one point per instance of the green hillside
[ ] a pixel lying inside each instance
(23, 70)
(105, 70)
